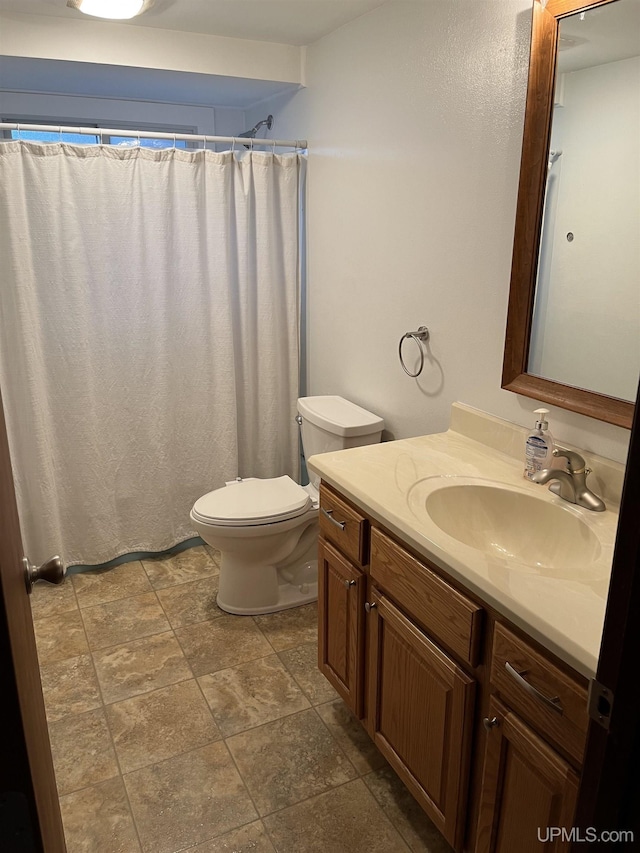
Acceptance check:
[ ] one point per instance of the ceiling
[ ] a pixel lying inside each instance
(605, 34)
(296, 22)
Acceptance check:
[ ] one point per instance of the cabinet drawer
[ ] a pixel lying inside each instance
(445, 613)
(550, 699)
(343, 525)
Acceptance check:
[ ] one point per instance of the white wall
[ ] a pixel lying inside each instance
(112, 112)
(143, 47)
(596, 276)
(414, 117)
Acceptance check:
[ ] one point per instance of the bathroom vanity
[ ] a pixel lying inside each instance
(468, 662)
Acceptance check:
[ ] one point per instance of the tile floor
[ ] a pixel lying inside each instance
(175, 726)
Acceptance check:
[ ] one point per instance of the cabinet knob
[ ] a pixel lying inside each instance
(349, 583)
(369, 606)
(490, 723)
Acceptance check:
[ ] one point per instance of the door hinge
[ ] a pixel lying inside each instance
(599, 703)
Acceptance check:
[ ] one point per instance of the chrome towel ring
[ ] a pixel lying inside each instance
(422, 334)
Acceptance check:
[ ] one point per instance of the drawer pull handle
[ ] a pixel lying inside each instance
(370, 606)
(551, 701)
(349, 583)
(329, 514)
(490, 723)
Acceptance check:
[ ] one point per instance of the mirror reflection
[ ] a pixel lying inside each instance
(586, 321)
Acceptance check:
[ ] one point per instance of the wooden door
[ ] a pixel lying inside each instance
(29, 808)
(609, 796)
(341, 593)
(420, 713)
(528, 795)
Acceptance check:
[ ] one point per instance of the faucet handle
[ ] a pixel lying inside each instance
(575, 462)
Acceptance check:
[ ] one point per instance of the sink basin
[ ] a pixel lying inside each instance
(511, 524)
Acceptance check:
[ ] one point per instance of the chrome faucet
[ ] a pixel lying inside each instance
(571, 484)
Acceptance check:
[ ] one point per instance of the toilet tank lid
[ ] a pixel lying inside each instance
(339, 416)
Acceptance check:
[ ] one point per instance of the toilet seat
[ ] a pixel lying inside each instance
(251, 502)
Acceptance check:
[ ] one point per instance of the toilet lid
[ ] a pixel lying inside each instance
(253, 501)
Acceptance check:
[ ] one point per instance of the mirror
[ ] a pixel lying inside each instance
(573, 327)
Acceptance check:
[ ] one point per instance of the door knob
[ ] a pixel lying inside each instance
(52, 572)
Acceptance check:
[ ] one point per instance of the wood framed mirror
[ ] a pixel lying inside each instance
(568, 386)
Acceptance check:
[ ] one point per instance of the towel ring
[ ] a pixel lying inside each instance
(420, 335)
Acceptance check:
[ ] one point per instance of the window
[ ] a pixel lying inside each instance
(97, 137)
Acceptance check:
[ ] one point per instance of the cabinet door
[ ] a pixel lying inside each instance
(420, 714)
(341, 592)
(528, 791)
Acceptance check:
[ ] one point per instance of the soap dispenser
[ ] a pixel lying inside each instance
(539, 446)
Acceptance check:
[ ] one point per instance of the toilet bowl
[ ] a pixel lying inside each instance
(267, 533)
(267, 529)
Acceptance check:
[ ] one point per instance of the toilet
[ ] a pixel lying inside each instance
(267, 529)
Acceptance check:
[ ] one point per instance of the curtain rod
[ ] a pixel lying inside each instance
(149, 134)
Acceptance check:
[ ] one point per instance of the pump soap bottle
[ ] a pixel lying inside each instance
(539, 446)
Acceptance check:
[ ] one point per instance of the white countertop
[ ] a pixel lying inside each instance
(561, 609)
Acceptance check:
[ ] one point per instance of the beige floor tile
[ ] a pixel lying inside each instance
(60, 637)
(140, 666)
(102, 585)
(302, 663)
(350, 734)
(82, 751)
(191, 602)
(225, 642)
(251, 838)
(188, 799)
(98, 820)
(404, 812)
(251, 694)
(290, 628)
(345, 820)
(69, 687)
(189, 565)
(213, 553)
(289, 760)
(50, 600)
(121, 621)
(158, 725)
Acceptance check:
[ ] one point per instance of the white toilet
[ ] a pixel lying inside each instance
(267, 529)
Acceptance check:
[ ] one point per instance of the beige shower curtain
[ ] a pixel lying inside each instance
(149, 313)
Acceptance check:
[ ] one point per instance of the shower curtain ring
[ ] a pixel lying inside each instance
(60, 133)
(233, 145)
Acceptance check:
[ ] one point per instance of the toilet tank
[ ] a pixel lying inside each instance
(333, 423)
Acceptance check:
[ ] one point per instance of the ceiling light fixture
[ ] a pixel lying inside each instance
(114, 9)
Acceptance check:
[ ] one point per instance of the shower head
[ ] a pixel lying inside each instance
(553, 156)
(251, 134)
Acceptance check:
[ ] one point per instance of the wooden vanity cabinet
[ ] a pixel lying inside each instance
(536, 737)
(420, 714)
(409, 654)
(527, 789)
(341, 619)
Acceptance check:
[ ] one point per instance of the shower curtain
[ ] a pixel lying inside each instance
(149, 320)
